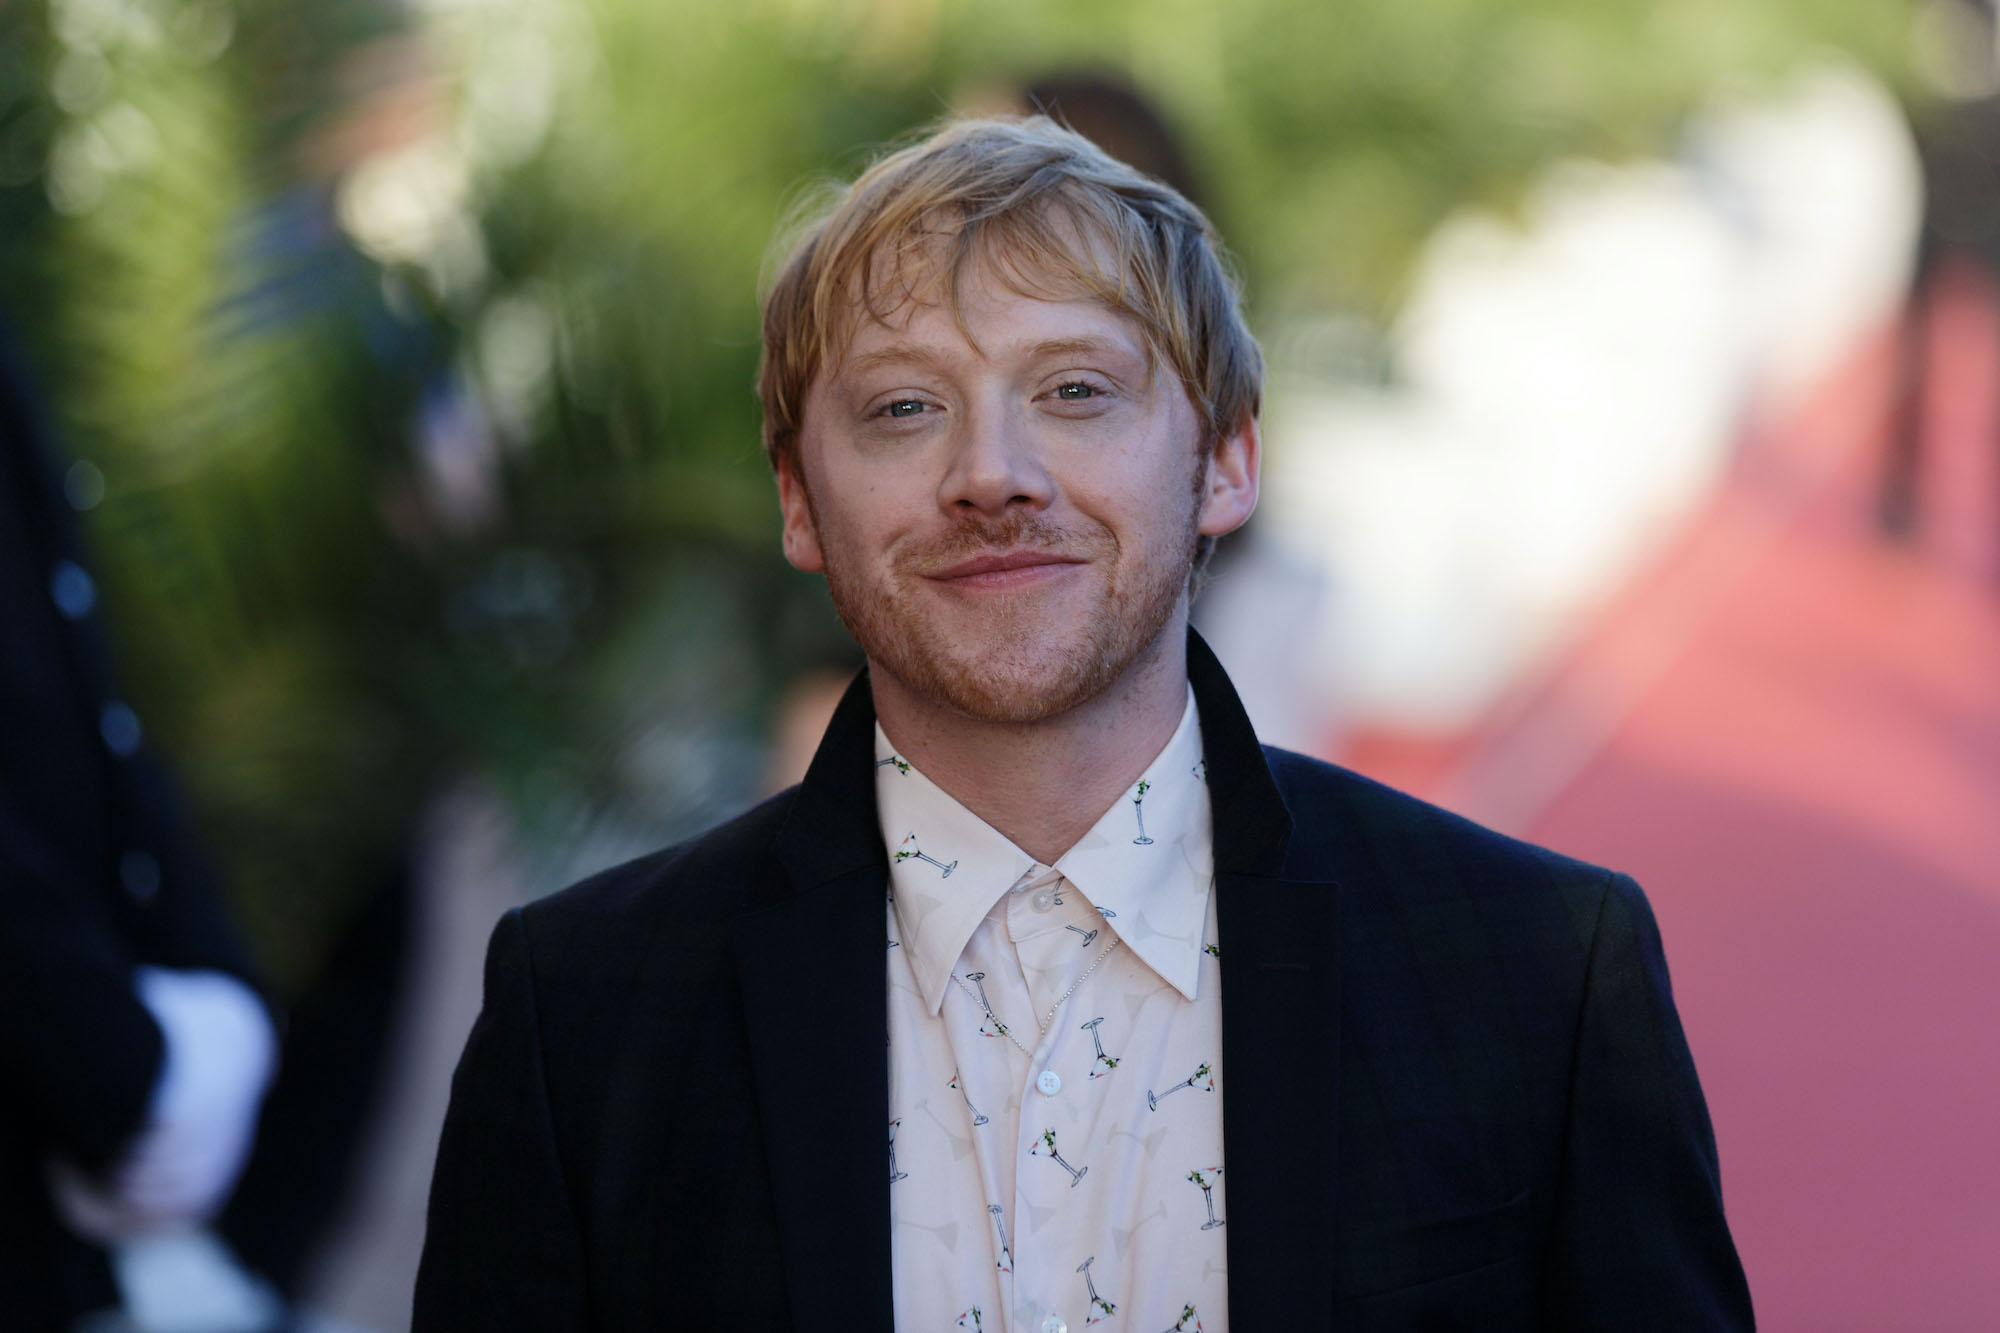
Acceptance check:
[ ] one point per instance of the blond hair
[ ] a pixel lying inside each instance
(1052, 215)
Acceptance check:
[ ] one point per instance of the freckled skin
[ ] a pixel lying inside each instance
(1056, 433)
(1007, 522)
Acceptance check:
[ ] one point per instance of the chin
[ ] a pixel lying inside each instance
(989, 693)
(1012, 665)
(1013, 678)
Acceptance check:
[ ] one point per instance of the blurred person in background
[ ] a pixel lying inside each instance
(135, 1046)
(1011, 403)
(1958, 143)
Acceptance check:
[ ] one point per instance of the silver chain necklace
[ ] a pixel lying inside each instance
(1042, 1023)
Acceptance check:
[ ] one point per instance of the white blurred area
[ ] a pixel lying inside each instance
(1569, 387)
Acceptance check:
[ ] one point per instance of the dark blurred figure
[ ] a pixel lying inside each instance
(1120, 120)
(134, 1045)
(1958, 144)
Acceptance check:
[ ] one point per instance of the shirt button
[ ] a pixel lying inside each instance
(119, 726)
(1043, 901)
(1048, 1082)
(1054, 1324)
(72, 590)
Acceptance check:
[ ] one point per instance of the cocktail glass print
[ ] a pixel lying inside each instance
(1088, 935)
(1200, 770)
(1153, 1099)
(894, 1174)
(1139, 813)
(908, 850)
(1101, 1309)
(970, 1319)
(1006, 1261)
(959, 1083)
(1205, 1177)
(900, 764)
(1189, 1322)
(1110, 1062)
(1045, 1146)
(978, 979)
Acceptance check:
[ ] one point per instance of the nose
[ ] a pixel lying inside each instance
(996, 465)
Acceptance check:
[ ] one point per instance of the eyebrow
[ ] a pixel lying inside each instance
(1084, 346)
(901, 354)
(921, 354)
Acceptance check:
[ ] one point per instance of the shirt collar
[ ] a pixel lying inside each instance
(1147, 864)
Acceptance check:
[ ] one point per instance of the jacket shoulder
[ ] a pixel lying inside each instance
(700, 883)
(1340, 817)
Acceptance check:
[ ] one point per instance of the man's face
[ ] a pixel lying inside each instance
(1007, 523)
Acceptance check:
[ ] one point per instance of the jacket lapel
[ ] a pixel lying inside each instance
(814, 1001)
(814, 1004)
(1280, 1043)
(1280, 1030)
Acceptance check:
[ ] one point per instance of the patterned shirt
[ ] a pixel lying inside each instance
(1054, 1191)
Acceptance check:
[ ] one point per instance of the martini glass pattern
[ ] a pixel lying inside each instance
(1101, 1309)
(1139, 813)
(1045, 1146)
(1205, 1177)
(1110, 1062)
(908, 850)
(894, 1174)
(1006, 1261)
(1154, 1099)
(958, 1082)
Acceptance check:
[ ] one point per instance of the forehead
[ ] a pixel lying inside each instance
(989, 322)
(988, 296)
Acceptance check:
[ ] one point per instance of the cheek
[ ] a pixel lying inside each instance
(857, 520)
(1150, 504)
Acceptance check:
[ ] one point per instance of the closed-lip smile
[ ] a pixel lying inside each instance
(1005, 568)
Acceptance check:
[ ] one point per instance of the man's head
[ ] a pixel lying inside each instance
(1009, 397)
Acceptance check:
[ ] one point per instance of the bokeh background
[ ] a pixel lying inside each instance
(1633, 486)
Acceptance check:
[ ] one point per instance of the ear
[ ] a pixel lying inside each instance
(1230, 492)
(801, 532)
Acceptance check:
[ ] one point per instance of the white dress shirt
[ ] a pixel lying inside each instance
(218, 1054)
(1049, 1193)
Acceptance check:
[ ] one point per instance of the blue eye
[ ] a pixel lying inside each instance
(903, 407)
(1076, 393)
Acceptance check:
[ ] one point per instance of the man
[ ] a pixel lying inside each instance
(1168, 1028)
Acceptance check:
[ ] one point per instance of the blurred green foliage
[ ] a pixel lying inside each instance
(416, 343)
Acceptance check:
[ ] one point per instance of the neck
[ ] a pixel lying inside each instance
(1044, 784)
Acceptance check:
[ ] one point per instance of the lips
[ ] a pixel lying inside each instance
(1002, 563)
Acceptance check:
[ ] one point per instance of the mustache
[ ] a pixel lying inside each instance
(1016, 532)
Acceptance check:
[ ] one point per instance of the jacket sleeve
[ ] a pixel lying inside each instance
(78, 1052)
(80, 1055)
(1639, 1240)
(503, 1250)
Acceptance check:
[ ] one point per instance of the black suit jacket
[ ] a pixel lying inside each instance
(98, 872)
(1458, 1095)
